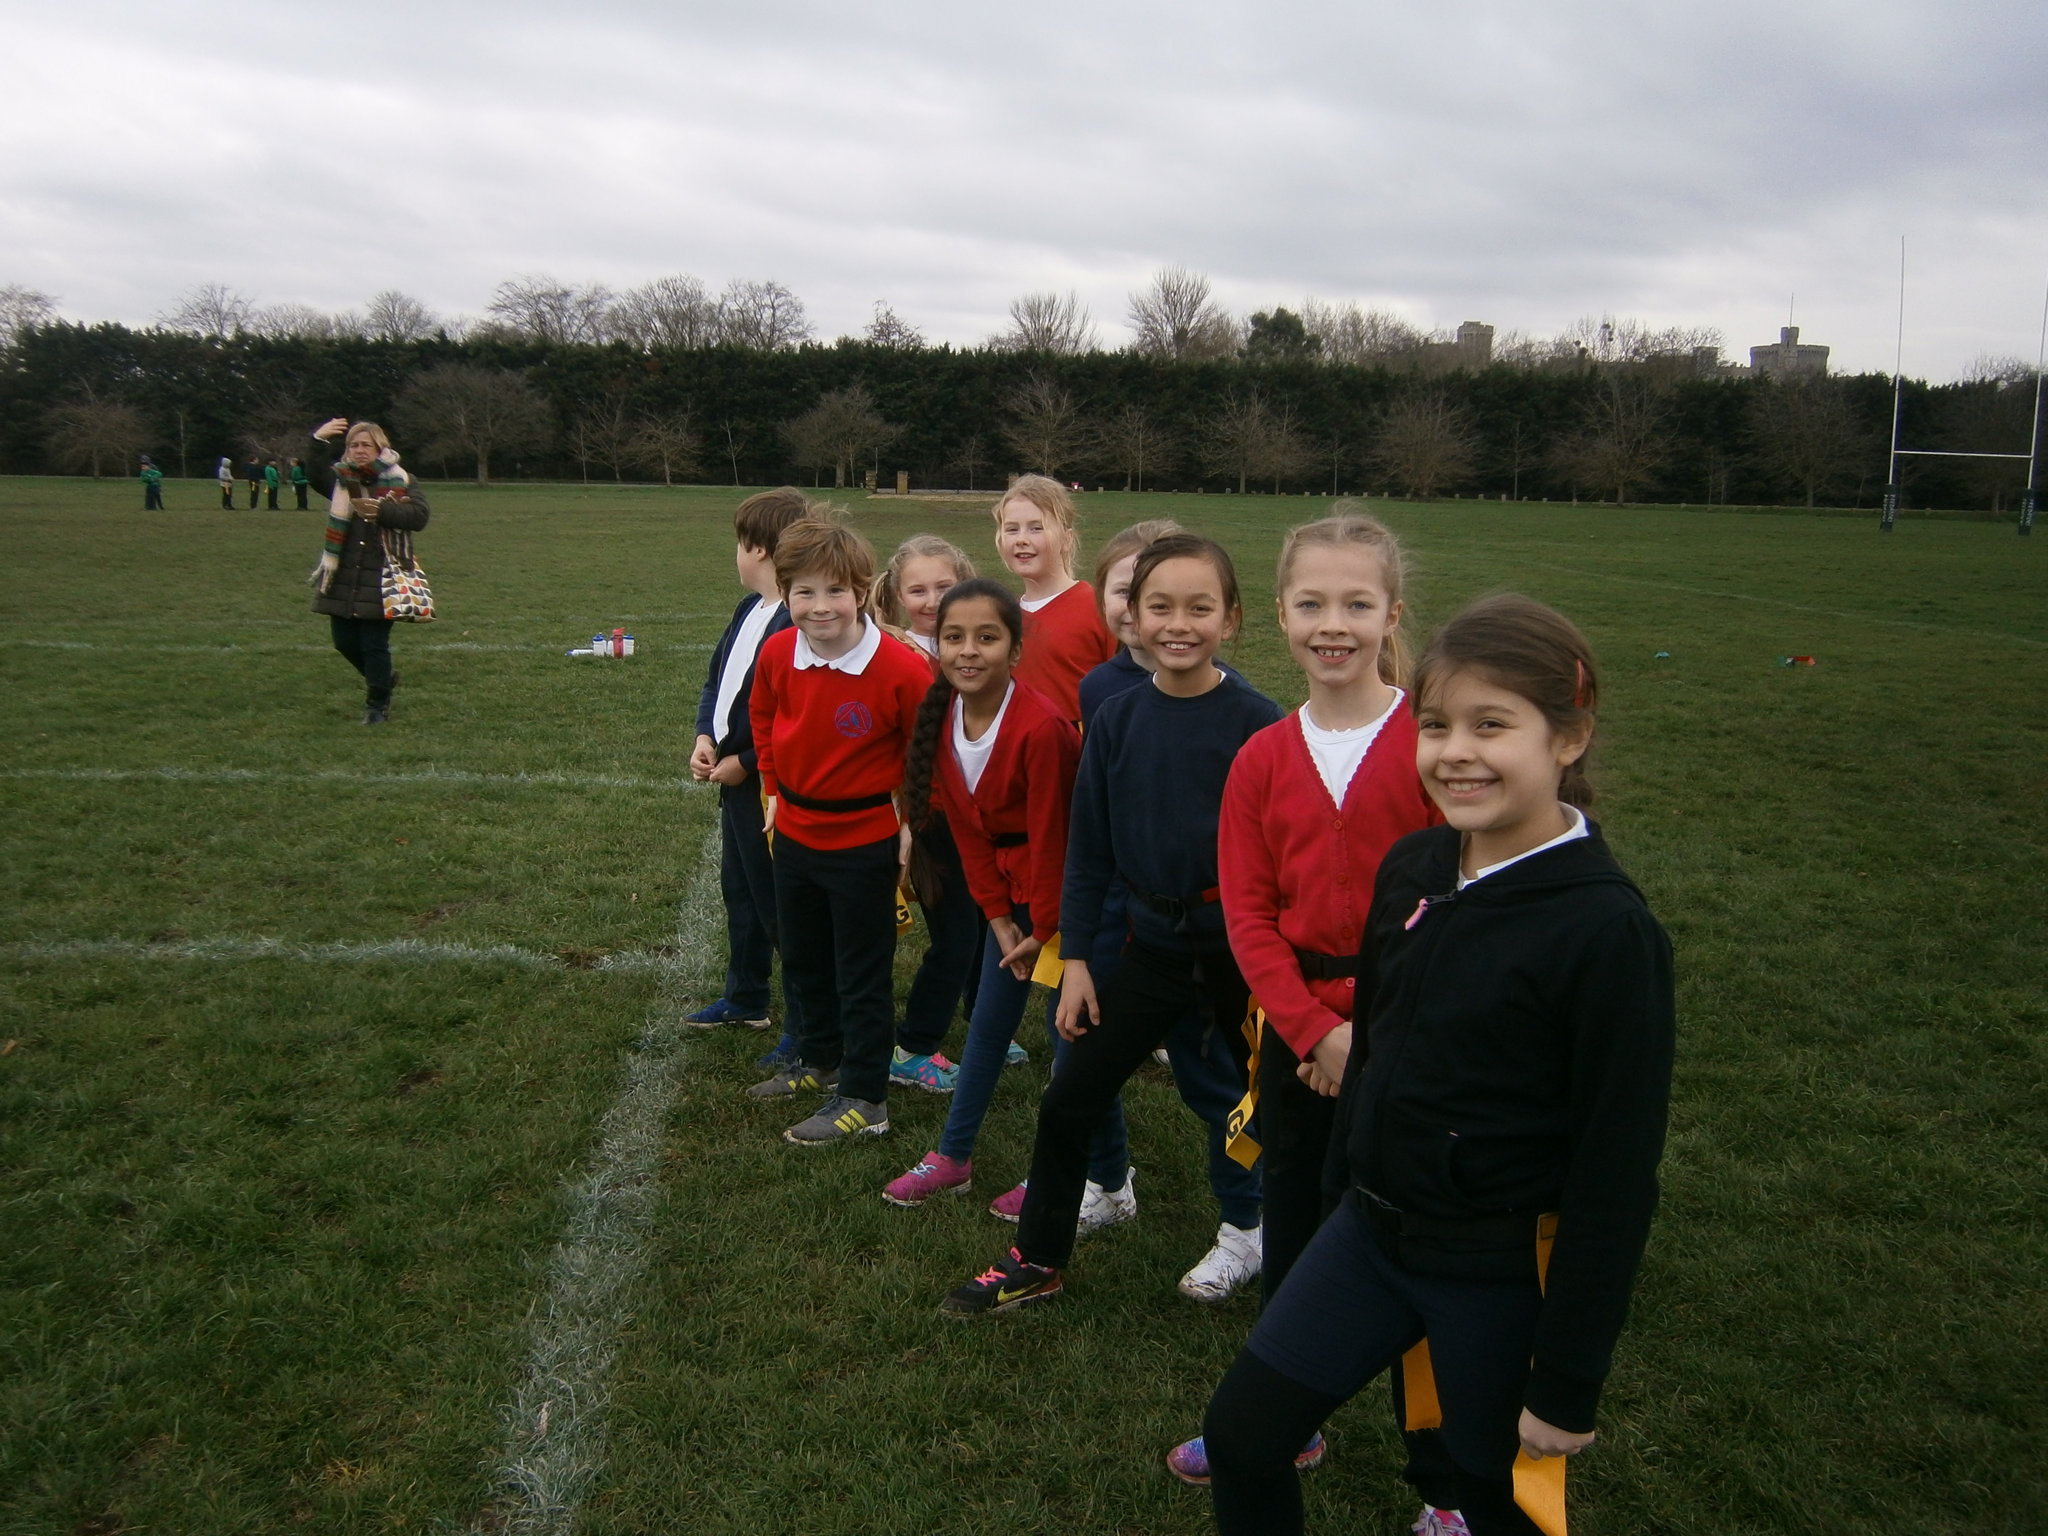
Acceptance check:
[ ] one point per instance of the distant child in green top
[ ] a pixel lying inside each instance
(152, 486)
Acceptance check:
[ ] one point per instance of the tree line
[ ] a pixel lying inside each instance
(1619, 415)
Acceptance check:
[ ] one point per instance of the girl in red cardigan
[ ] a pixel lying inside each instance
(1311, 806)
(1064, 638)
(1000, 758)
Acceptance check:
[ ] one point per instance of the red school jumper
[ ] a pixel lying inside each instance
(1012, 829)
(1296, 871)
(831, 735)
(1063, 642)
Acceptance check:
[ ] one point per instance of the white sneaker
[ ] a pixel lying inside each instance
(1233, 1262)
(1440, 1522)
(1100, 1208)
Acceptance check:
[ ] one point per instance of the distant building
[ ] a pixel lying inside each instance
(1789, 356)
(1472, 349)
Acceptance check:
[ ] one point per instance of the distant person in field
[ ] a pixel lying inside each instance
(152, 486)
(270, 483)
(252, 472)
(370, 498)
(300, 485)
(224, 472)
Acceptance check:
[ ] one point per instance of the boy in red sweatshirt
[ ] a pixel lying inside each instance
(834, 703)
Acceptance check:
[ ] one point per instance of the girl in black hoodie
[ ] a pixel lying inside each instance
(1493, 1166)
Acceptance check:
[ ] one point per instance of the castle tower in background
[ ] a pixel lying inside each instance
(1787, 356)
(1475, 344)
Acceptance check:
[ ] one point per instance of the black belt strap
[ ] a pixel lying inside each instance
(857, 803)
(1321, 967)
(1009, 840)
(1392, 1221)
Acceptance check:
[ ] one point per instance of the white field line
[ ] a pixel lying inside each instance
(372, 952)
(337, 776)
(1789, 605)
(555, 1423)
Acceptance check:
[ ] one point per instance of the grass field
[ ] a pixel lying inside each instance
(354, 1175)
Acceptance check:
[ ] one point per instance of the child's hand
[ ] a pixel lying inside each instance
(1078, 1011)
(1540, 1439)
(768, 815)
(904, 838)
(1324, 1069)
(1020, 952)
(703, 757)
(728, 771)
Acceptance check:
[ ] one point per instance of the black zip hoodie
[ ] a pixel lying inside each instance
(1516, 1060)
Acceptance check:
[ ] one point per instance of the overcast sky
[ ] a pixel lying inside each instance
(1501, 160)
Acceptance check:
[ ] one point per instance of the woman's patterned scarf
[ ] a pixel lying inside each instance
(381, 479)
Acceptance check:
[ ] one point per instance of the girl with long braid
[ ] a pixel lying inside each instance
(999, 758)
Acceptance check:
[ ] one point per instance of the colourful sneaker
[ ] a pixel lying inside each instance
(1440, 1522)
(936, 1174)
(793, 1080)
(933, 1073)
(1010, 1282)
(1107, 1208)
(1234, 1261)
(1189, 1461)
(839, 1119)
(712, 1015)
(1016, 1055)
(1009, 1206)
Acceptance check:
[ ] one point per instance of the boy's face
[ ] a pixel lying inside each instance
(827, 610)
(756, 568)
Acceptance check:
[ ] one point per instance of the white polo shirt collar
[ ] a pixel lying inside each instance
(854, 662)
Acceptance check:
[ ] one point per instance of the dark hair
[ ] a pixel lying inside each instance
(925, 736)
(759, 522)
(1185, 546)
(1530, 650)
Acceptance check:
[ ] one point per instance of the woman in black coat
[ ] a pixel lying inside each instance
(349, 581)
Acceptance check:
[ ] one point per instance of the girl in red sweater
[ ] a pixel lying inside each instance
(1064, 638)
(1311, 806)
(1000, 758)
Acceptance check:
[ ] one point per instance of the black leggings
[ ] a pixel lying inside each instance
(367, 645)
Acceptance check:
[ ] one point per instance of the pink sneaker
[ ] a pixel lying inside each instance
(934, 1174)
(1010, 1206)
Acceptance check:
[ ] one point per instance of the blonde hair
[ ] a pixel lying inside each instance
(1124, 543)
(1050, 498)
(376, 434)
(823, 543)
(886, 602)
(1350, 526)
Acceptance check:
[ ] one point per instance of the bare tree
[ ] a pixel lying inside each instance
(1991, 413)
(1805, 431)
(1176, 318)
(733, 444)
(210, 309)
(839, 431)
(466, 411)
(1360, 337)
(668, 441)
(1287, 454)
(1620, 442)
(1044, 428)
(1131, 442)
(1622, 339)
(540, 307)
(291, 322)
(668, 312)
(1057, 324)
(395, 316)
(973, 455)
(604, 430)
(1426, 443)
(765, 317)
(889, 329)
(277, 429)
(21, 308)
(89, 432)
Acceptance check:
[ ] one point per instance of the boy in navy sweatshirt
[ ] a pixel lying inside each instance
(724, 755)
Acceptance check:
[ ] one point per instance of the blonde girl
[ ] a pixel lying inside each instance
(1038, 538)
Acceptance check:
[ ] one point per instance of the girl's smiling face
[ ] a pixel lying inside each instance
(827, 610)
(1182, 619)
(1336, 613)
(919, 586)
(1491, 761)
(1032, 545)
(976, 649)
(1116, 600)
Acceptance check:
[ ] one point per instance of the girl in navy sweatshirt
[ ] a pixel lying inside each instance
(1145, 810)
(1501, 1116)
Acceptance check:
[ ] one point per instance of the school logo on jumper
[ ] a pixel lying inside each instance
(853, 719)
